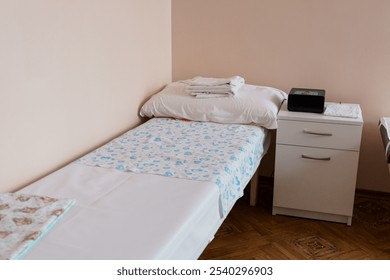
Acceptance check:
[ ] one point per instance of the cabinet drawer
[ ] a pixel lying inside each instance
(323, 135)
(324, 184)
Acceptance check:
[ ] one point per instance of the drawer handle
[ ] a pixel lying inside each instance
(317, 133)
(316, 158)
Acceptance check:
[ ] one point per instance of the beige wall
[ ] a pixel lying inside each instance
(73, 75)
(342, 46)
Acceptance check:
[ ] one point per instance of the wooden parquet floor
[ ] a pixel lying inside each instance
(253, 233)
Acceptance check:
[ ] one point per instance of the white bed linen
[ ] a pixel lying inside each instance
(124, 215)
(128, 215)
(251, 105)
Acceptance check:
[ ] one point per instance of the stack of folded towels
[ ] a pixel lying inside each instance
(202, 87)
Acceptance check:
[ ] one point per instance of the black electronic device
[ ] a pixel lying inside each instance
(306, 100)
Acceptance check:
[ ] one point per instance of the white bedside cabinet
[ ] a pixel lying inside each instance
(316, 165)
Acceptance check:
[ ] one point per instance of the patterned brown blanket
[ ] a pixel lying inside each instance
(24, 219)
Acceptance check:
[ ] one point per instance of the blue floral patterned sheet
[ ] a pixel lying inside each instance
(226, 154)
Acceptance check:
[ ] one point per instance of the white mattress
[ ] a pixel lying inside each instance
(159, 191)
(120, 215)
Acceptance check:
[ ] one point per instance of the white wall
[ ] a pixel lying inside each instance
(73, 74)
(342, 46)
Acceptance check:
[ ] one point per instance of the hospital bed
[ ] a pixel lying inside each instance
(162, 189)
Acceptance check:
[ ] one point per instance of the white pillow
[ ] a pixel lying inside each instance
(252, 104)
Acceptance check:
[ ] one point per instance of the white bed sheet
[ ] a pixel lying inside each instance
(124, 215)
(121, 214)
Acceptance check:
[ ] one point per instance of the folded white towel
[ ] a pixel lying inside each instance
(203, 87)
(216, 89)
(225, 89)
(208, 81)
(213, 95)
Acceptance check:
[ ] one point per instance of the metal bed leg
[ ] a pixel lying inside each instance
(254, 188)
